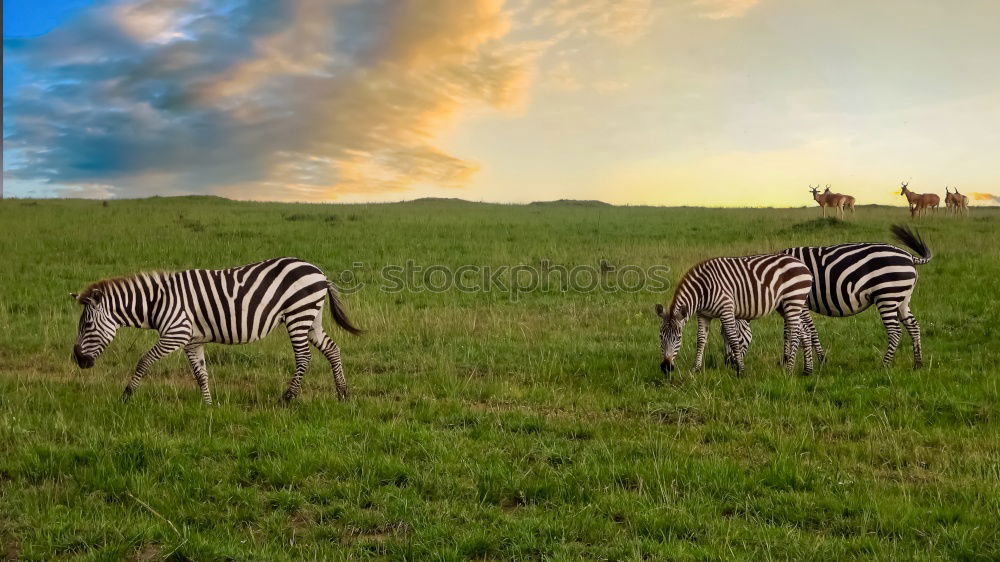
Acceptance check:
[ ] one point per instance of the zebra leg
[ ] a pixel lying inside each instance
(744, 335)
(805, 341)
(910, 321)
(809, 328)
(699, 355)
(728, 353)
(298, 332)
(730, 331)
(890, 318)
(331, 351)
(793, 327)
(171, 339)
(196, 358)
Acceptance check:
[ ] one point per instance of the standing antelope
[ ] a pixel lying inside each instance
(231, 306)
(849, 203)
(844, 201)
(850, 278)
(949, 200)
(830, 199)
(919, 202)
(733, 289)
(956, 202)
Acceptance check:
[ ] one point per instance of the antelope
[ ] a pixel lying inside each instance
(847, 201)
(956, 202)
(949, 200)
(919, 202)
(828, 199)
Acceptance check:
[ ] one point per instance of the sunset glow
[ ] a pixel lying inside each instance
(688, 102)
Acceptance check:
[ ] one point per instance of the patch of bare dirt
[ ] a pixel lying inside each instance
(147, 553)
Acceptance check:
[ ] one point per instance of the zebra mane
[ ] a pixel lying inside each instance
(682, 282)
(104, 284)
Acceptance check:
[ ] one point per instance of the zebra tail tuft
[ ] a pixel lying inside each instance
(914, 242)
(338, 311)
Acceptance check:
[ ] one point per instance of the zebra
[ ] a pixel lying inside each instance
(733, 289)
(198, 306)
(850, 278)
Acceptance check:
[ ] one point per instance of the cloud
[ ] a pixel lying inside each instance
(724, 9)
(560, 77)
(623, 21)
(306, 99)
(976, 196)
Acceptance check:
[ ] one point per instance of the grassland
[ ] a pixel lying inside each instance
(486, 427)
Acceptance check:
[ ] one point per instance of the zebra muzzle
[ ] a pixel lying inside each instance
(83, 361)
(667, 366)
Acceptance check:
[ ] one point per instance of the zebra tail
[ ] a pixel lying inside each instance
(914, 242)
(338, 311)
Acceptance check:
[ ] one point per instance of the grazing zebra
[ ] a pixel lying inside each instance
(733, 289)
(232, 306)
(849, 278)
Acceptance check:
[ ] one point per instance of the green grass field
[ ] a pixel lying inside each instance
(484, 426)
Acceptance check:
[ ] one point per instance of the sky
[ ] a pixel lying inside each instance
(661, 102)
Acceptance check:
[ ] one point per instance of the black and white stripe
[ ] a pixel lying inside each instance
(850, 278)
(733, 289)
(198, 306)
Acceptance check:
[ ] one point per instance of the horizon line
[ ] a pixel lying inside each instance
(578, 202)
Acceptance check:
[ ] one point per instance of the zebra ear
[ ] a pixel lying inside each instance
(96, 295)
(659, 310)
(75, 296)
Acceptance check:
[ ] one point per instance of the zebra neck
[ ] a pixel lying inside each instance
(134, 300)
(688, 298)
(690, 306)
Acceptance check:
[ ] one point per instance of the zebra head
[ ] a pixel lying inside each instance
(671, 327)
(97, 328)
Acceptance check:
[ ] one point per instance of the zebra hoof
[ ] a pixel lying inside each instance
(127, 395)
(918, 365)
(287, 397)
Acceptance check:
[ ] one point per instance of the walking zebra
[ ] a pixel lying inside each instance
(232, 306)
(734, 289)
(849, 278)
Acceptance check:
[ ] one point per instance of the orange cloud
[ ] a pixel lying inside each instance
(984, 197)
(369, 123)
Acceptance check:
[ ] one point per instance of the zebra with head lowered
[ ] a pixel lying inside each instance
(849, 278)
(735, 289)
(198, 306)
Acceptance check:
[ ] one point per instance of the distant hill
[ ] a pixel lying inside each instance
(574, 202)
(438, 200)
